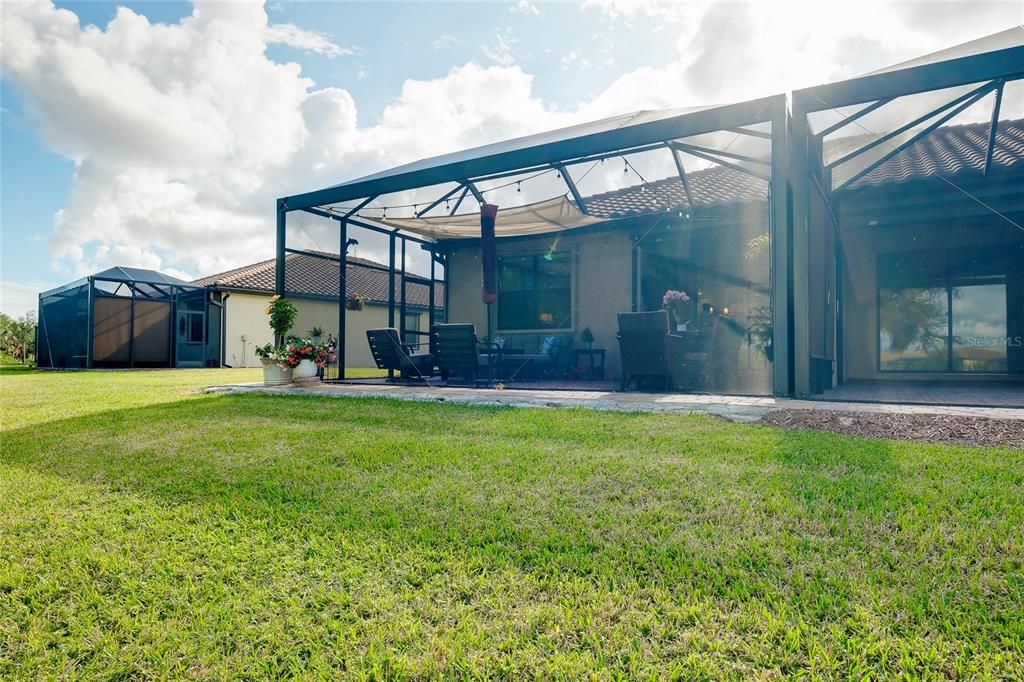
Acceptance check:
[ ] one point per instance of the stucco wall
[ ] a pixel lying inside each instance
(245, 315)
(601, 285)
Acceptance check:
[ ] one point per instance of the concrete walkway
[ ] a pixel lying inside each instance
(735, 408)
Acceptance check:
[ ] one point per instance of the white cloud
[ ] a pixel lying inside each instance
(18, 298)
(184, 134)
(502, 52)
(525, 7)
(574, 60)
(444, 41)
(310, 41)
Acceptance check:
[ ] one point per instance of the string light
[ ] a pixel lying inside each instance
(519, 187)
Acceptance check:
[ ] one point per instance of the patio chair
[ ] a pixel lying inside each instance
(643, 347)
(455, 346)
(391, 354)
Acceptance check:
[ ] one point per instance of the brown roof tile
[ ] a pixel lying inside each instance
(317, 275)
(947, 151)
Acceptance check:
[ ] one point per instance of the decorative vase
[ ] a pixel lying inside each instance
(305, 372)
(274, 374)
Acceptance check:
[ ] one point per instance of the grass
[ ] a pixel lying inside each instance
(151, 531)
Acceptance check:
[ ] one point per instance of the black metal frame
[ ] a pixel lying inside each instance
(989, 70)
(561, 155)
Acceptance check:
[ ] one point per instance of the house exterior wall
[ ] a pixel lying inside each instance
(601, 272)
(245, 316)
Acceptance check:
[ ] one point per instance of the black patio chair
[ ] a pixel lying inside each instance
(390, 353)
(643, 347)
(455, 346)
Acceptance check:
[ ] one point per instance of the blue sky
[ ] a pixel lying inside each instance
(388, 83)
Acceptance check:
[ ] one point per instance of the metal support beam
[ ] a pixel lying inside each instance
(789, 240)
(359, 207)
(1004, 63)
(472, 188)
(853, 117)
(577, 197)
(990, 148)
(983, 90)
(430, 312)
(401, 307)
(751, 133)
(682, 175)
(543, 151)
(444, 198)
(724, 153)
(282, 213)
(391, 287)
(932, 126)
(721, 162)
(458, 203)
(342, 295)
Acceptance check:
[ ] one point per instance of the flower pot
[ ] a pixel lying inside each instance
(305, 372)
(354, 304)
(274, 374)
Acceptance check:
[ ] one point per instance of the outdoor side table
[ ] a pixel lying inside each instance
(594, 369)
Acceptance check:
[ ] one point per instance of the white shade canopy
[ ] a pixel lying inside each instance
(551, 215)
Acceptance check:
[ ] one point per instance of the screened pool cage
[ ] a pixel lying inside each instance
(908, 210)
(595, 223)
(857, 231)
(128, 317)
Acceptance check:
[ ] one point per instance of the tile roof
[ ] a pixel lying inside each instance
(716, 185)
(318, 276)
(947, 151)
(950, 150)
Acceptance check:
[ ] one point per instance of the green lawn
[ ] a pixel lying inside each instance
(150, 531)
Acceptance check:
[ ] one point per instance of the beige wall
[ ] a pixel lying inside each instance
(244, 314)
(601, 285)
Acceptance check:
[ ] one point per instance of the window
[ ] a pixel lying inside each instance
(934, 317)
(535, 292)
(190, 326)
(412, 326)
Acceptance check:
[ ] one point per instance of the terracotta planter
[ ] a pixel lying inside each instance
(273, 375)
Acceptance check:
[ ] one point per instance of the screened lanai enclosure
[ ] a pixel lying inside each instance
(909, 212)
(128, 317)
(857, 233)
(635, 251)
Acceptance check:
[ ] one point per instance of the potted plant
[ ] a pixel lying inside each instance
(587, 337)
(354, 302)
(282, 314)
(675, 303)
(316, 333)
(307, 358)
(276, 370)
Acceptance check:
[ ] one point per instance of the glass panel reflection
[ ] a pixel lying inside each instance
(913, 329)
(979, 328)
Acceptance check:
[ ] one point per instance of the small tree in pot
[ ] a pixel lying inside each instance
(282, 314)
(276, 369)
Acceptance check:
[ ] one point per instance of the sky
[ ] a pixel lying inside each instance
(158, 134)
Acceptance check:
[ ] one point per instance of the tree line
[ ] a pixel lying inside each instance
(18, 336)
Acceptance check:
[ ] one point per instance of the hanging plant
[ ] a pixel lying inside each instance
(355, 302)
